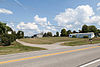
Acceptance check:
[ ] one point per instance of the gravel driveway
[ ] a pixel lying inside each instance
(47, 46)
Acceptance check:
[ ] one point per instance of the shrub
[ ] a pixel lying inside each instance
(85, 36)
(5, 41)
(73, 36)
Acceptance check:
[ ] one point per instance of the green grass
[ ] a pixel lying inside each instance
(81, 42)
(17, 48)
(47, 40)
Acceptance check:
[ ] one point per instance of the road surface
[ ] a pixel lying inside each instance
(78, 56)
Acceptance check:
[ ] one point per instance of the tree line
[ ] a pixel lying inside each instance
(8, 35)
(65, 33)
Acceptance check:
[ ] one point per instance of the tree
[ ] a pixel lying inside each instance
(45, 35)
(98, 32)
(74, 31)
(20, 34)
(68, 32)
(80, 31)
(57, 34)
(49, 34)
(63, 33)
(85, 29)
(5, 37)
(74, 36)
(92, 28)
(3, 28)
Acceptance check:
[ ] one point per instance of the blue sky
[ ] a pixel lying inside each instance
(35, 16)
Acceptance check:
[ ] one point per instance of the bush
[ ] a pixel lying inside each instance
(73, 36)
(5, 41)
(85, 36)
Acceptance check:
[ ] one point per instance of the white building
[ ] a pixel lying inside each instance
(81, 35)
(40, 35)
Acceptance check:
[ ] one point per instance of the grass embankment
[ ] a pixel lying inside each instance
(48, 40)
(82, 42)
(17, 48)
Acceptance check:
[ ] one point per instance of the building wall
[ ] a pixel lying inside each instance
(39, 36)
(78, 35)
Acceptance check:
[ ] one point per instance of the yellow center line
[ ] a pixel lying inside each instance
(48, 55)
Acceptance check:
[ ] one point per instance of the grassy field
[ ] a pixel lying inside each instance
(68, 41)
(48, 40)
(17, 48)
(81, 42)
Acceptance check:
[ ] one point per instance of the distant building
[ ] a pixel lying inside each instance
(81, 35)
(27, 36)
(40, 35)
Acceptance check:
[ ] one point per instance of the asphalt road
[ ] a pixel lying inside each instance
(71, 57)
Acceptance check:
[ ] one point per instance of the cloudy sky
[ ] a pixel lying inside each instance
(35, 16)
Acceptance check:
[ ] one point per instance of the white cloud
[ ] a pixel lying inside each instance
(77, 23)
(38, 19)
(44, 24)
(74, 18)
(39, 25)
(69, 26)
(80, 14)
(5, 11)
(11, 25)
(29, 28)
(98, 6)
(29, 25)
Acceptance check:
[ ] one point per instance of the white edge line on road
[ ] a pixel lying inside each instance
(90, 63)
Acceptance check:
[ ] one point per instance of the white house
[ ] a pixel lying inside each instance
(40, 35)
(81, 35)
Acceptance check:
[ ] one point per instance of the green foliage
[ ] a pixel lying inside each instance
(85, 29)
(91, 28)
(80, 31)
(49, 34)
(57, 34)
(68, 32)
(85, 36)
(17, 48)
(5, 37)
(20, 34)
(45, 35)
(74, 31)
(5, 41)
(73, 36)
(63, 33)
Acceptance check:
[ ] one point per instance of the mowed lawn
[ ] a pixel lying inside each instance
(17, 48)
(67, 41)
(82, 42)
(48, 40)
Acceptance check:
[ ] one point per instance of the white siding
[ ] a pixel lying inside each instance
(81, 35)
